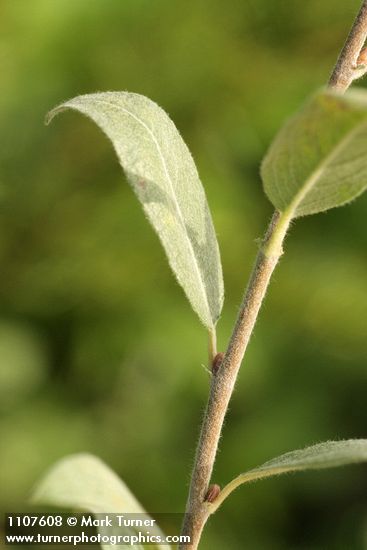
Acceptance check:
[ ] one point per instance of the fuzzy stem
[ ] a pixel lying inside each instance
(223, 381)
(346, 70)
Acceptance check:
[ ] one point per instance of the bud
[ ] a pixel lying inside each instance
(212, 493)
(217, 361)
(362, 58)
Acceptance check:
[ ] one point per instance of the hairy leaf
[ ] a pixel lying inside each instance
(324, 455)
(83, 482)
(159, 167)
(319, 158)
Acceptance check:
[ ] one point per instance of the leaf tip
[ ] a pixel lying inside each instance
(37, 494)
(55, 111)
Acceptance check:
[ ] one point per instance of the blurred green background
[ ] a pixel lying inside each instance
(99, 349)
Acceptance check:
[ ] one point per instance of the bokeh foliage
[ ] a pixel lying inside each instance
(99, 350)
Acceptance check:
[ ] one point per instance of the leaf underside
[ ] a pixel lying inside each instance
(85, 483)
(318, 160)
(161, 171)
(323, 455)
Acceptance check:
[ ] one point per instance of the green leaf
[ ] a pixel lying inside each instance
(324, 455)
(318, 160)
(85, 483)
(160, 169)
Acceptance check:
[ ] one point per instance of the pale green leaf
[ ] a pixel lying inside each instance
(85, 483)
(159, 167)
(323, 455)
(319, 158)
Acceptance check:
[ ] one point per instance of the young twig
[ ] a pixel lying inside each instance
(350, 65)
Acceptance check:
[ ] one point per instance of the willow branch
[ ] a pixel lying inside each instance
(350, 65)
